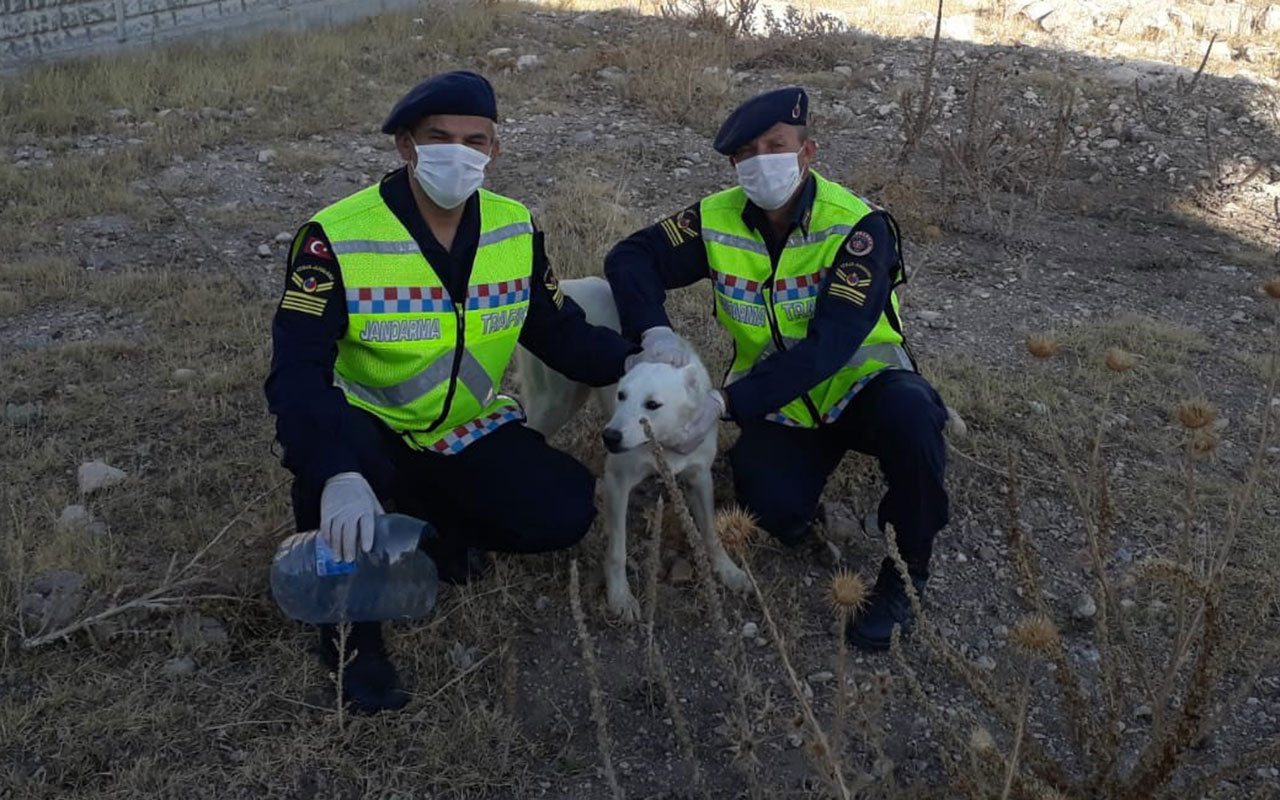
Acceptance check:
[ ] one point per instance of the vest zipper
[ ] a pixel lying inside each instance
(457, 362)
(771, 315)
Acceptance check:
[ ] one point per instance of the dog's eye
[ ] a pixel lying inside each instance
(652, 405)
(622, 396)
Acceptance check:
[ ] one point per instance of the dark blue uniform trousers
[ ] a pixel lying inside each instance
(508, 492)
(779, 472)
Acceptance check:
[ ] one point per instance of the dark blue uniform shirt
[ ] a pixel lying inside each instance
(308, 324)
(671, 254)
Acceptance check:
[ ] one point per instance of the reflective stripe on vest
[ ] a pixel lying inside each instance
(767, 306)
(423, 362)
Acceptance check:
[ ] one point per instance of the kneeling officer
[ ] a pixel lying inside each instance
(804, 272)
(402, 307)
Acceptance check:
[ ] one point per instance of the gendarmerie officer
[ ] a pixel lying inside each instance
(402, 306)
(804, 272)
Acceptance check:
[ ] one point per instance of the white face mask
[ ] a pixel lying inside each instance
(449, 173)
(769, 180)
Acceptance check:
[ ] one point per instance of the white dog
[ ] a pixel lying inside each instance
(667, 398)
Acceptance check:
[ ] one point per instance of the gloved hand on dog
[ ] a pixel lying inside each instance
(348, 508)
(703, 422)
(661, 346)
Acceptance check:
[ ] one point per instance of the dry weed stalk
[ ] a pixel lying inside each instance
(604, 742)
(655, 663)
(168, 596)
(916, 118)
(1188, 696)
(849, 594)
(344, 658)
(823, 749)
(729, 654)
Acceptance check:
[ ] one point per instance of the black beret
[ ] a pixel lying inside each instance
(459, 92)
(759, 114)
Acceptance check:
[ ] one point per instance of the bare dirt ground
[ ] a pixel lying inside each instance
(145, 204)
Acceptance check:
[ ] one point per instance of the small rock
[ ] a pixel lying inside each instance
(961, 558)
(681, 572)
(74, 518)
(961, 27)
(53, 600)
(795, 739)
(541, 603)
(98, 528)
(22, 413)
(842, 69)
(885, 110)
(1085, 607)
(1109, 144)
(528, 62)
(987, 553)
(266, 156)
(184, 375)
(750, 630)
(1038, 408)
(821, 677)
(499, 52)
(182, 665)
(986, 662)
(119, 113)
(680, 172)
(284, 237)
(612, 75)
(95, 475)
(1143, 711)
(264, 251)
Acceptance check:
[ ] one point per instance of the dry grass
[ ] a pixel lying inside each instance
(501, 707)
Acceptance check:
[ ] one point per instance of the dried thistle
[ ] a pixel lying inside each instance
(1196, 413)
(849, 593)
(1042, 345)
(1118, 360)
(1036, 634)
(1272, 288)
(736, 527)
(980, 740)
(1204, 443)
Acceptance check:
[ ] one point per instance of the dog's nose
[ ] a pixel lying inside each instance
(612, 439)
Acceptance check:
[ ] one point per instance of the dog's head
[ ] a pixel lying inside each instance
(664, 395)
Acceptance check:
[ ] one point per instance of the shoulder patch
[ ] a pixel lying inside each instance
(860, 243)
(315, 246)
(682, 227)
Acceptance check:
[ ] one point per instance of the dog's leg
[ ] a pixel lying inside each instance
(702, 506)
(617, 490)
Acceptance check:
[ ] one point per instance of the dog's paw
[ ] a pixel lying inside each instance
(732, 576)
(623, 604)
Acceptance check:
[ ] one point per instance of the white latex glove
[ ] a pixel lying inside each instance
(703, 422)
(348, 507)
(661, 346)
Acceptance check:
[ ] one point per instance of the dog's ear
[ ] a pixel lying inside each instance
(691, 380)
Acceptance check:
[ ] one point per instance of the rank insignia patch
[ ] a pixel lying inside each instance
(304, 303)
(311, 280)
(681, 228)
(553, 286)
(850, 283)
(860, 244)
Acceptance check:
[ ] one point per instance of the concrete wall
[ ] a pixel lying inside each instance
(39, 30)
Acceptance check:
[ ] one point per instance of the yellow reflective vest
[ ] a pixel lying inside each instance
(766, 308)
(424, 363)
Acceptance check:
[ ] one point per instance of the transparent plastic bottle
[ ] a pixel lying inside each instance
(394, 580)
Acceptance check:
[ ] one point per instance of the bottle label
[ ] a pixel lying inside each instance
(327, 563)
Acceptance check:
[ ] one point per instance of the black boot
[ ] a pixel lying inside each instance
(369, 680)
(872, 627)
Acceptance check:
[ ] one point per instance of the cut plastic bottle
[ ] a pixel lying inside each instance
(393, 581)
